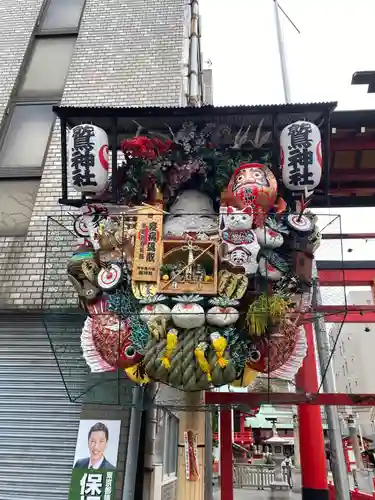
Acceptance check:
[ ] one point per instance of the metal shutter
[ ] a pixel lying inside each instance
(38, 423)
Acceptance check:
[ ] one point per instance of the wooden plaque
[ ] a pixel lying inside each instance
(148, 246)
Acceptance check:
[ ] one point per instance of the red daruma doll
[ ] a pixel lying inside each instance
(255, 185)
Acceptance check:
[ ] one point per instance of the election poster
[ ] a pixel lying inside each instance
(95, 460)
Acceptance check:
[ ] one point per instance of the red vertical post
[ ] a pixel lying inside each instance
(226, 461)
(311, 436)
(242, 423)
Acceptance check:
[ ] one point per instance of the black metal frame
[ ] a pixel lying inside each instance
(123, 122)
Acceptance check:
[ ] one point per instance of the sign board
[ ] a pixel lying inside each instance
(95, 461)
(148, 244)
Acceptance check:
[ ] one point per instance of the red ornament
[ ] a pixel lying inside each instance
(255, 185)
(144, 147)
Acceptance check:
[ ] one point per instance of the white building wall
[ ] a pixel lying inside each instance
(354, 358)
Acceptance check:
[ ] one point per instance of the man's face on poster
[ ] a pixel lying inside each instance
(97, 445)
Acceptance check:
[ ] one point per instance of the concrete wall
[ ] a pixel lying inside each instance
(128, 53)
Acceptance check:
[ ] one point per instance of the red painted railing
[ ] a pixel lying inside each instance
(245, 437)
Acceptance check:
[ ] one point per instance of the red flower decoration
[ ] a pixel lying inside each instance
(144, 147)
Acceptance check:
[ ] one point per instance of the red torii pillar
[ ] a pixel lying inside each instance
(226, 454)
(311, 436)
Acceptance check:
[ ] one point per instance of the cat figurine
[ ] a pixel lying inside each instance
(239, 246)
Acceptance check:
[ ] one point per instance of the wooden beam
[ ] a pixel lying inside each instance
(279, 398)
(347, 176)
(352, 144)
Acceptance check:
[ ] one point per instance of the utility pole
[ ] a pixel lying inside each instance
(340, 476)
(128, 491)
(280, 43)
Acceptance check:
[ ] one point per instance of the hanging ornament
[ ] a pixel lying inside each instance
(272, 266)
(301, 156)
(271, 234)
(188, 313)
(219, 344)
(255, 185)
(154, 309)
(170, 347)
(88, 158)
(200, 356)
(110, 277)
(300, 223)
(223, 313)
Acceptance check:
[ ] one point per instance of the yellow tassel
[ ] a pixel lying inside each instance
(136, 375)
(222, 362)
(171, 346)
(202, 361)
(166, 362)
(219, 344)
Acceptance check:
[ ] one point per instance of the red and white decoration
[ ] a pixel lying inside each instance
(88, 158)
(109, 277)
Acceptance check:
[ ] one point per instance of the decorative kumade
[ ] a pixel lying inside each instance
(195, 279)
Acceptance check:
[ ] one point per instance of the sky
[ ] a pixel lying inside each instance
(337, 38)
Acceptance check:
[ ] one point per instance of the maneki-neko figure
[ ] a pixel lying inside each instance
(239, 245)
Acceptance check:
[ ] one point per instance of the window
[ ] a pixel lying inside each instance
(170, 446)
(26, 139)
(48, 67)
(16, 205)
(62, 14)
(29, 120)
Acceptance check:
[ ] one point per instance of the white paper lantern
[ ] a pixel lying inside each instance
(301, 156)
(88, 158)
